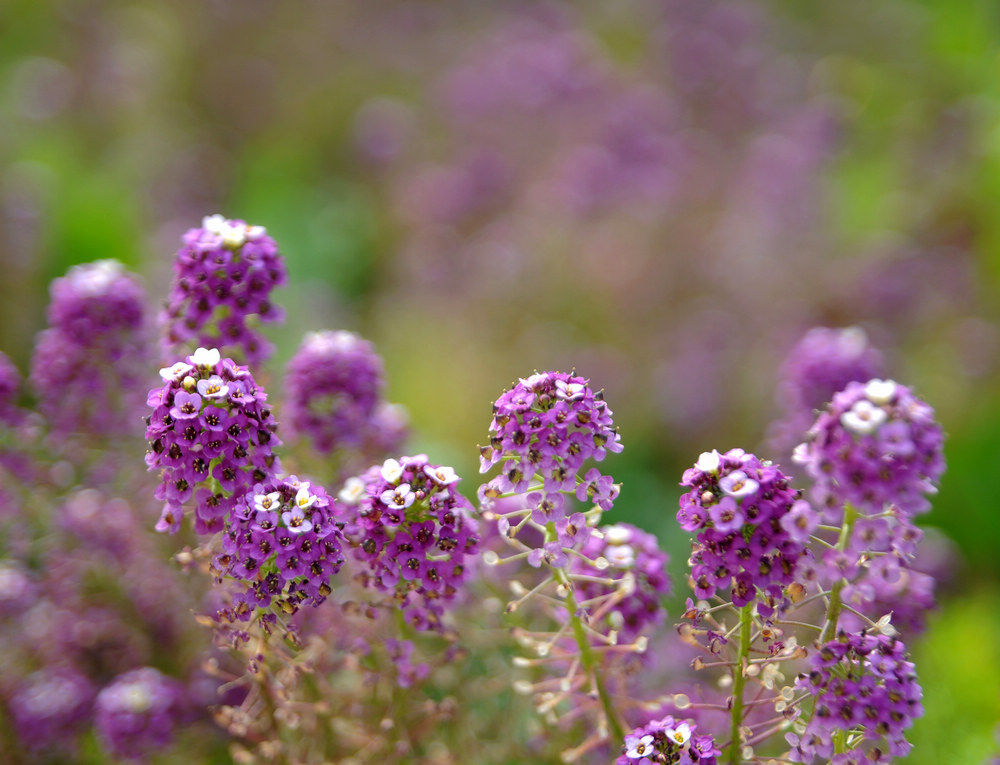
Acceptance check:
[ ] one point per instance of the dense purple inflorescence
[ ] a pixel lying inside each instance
(333, 390)
(629, 551)
(741, 508)
(544, 429)
(88, 368)
(224, 273)
(138, 713)
(413, 532)
(211, 430)
(281, 541)
(50, 707)
(875, 444)
(860, 682)
(668, 740)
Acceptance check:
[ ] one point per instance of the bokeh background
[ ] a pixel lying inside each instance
(663, 194)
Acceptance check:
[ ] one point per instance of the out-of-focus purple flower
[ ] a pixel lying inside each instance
(333, 396)
(88, 368)
(50, 706)
(10, 386)
(631, 552)
(223, 274)
(875, 444)
(138, 713)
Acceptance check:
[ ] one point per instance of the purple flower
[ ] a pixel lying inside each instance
(223, 273)
(138, 713)
(875, 444)
(738, 506)
(414, 534)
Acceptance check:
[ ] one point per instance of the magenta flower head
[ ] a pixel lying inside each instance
(738, 505)
(668, 740)
(211, 435)
(875, 444)
(544, 429)
(88, 368)
(413, 532)
(864, 686)
(223, 274)
(282, 543)
(630, 552)
(138, 713)
(334, 386)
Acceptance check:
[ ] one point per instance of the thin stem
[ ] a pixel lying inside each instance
(739, 682)
(833, 610)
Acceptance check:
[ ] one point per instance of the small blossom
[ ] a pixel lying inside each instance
(391, 470)
(880, 392)
(213, 387)
(863, 418)
(708, 462)
(679, 735)
(206, 358)
(637, 747)
(176, 372)
(353, 491)
(442, 475)
(304, 498)
(737, 484)
(295, 520)
(398, 496)
(270, 501)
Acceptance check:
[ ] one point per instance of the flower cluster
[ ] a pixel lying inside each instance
(630, 552)
(413, 532)
(875, 444)
(10, 385)
(138, 712)
(88, 368)
(751, 526)
(50, 706)
(862, 684)
(333, 390)
(223, 274)
(210, 428)
(668, 740)
(282, 542)
(544, 429)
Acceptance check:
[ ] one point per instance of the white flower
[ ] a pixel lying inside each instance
(264, 502)
(176, 372)
(863, 418)
(255, 232)
(353, 491)
(880, 391)
(329, 342)
(95, 278)
(442, 475)
(205, 358)
(135, 697)
(800, 454)
(214, 224)
(708, 462)
(305, 498)
(620, 556)
(638, 748)
(617, 535)
(391, 471)
(680, 734)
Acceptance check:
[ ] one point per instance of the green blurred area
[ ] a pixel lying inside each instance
(124, 122)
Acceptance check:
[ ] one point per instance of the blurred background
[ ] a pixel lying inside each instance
(663, 194)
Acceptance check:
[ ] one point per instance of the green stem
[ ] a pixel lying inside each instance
(739, 683)
(833, 610)
(591, 663)
(616, 728)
